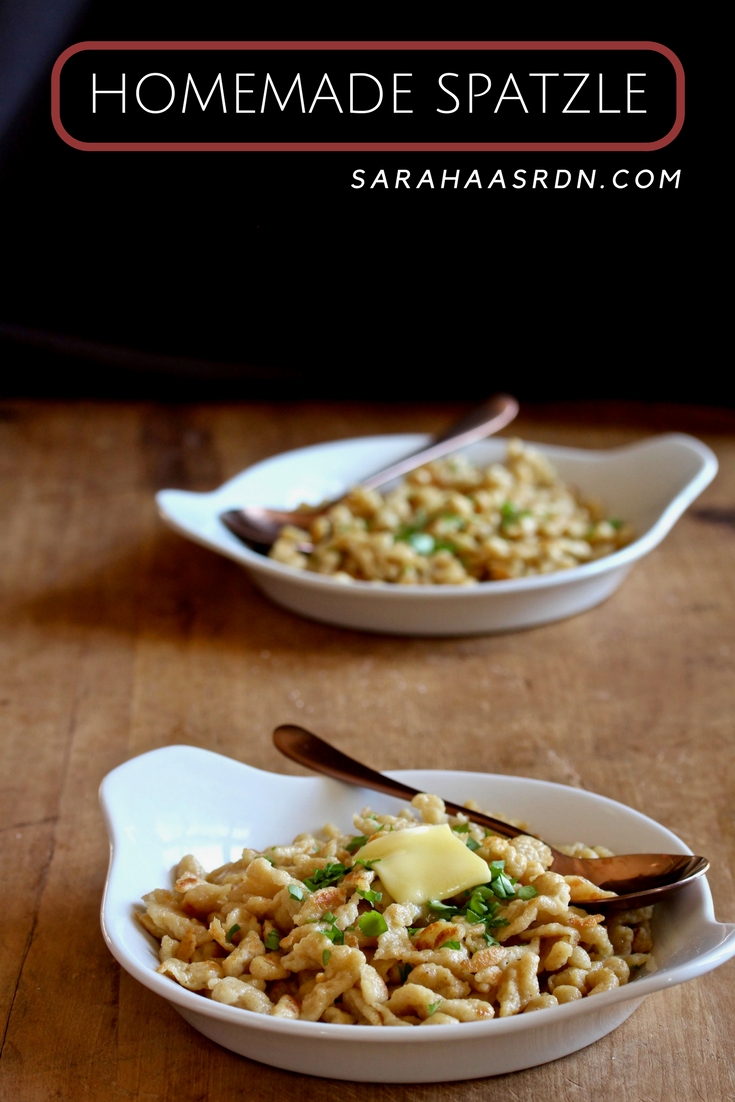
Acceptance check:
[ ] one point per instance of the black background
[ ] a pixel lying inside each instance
(188, 275)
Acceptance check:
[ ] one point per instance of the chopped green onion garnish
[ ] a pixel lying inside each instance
(272, 940)
(404, 971)
(357, 843)
(450, 945)
(511, 514)
(372, 924)
(295, 892)
(335, 935)
(432, 1007)
(495, 922)
(472, 844)
(231, 932)
(526, 891)
(461, 828)
(325, 957)
(484, 891)
(422, 543)
(407, 530)
(437, 907)
(324, 878)
(368, 864)
(370, 897)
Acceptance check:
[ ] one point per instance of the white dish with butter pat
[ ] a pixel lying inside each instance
(180, 799)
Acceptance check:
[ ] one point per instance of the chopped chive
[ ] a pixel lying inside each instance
(484, 892)
(437, 907)
(332, 872)
(370, 897)
(335, 935)
(472, 844)
(368, 864)
(406, 531)
(231, 932)
(295, 892)
(450, 945)
(272, 940)
(422, 543)
(404, 971)
(325, 957)
(461, 828)
(432, 1007)
(526, 891)
(357, 843)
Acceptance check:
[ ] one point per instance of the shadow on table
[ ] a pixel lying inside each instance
(173, 590)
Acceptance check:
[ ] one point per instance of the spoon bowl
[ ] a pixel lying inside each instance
(639, 879)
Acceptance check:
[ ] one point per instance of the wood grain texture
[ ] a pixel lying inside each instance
(117, 636)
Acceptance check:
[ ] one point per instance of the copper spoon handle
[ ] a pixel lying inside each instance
(480, 422)
(638, 878)
(314, 753)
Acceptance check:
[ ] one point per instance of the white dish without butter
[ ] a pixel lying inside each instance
(649, 484)
(180, 799)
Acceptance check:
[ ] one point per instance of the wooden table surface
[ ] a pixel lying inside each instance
(117, 636)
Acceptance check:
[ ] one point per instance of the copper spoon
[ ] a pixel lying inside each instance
(639, 878)
(259, 525)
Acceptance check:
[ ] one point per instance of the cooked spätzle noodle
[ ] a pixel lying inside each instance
(307, 931)
(453, 523)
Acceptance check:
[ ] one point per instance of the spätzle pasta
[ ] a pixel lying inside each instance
(453, 523)
(308, 931)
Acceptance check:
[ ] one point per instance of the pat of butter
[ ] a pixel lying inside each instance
(423, 863)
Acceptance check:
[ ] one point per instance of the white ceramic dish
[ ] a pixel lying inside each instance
(650, 484)
(180, 799)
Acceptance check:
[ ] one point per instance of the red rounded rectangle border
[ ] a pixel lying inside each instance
(376, 147)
